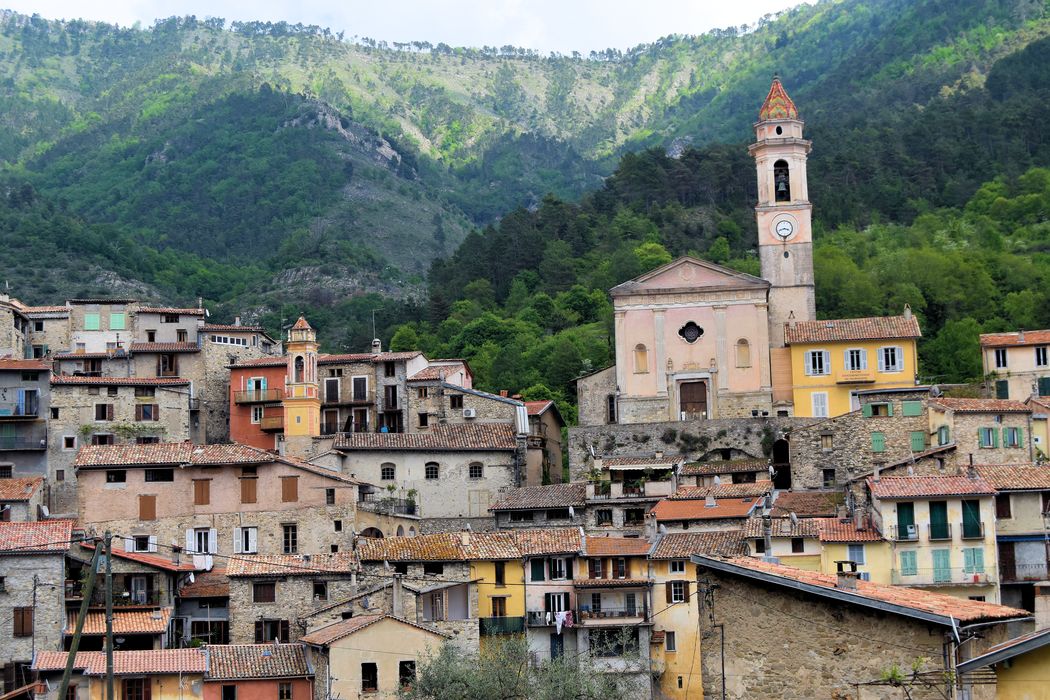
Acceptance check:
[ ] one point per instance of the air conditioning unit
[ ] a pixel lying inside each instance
(470, 413)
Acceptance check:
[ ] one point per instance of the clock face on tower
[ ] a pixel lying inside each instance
(784, 227)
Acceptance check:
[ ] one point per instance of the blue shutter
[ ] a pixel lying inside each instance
(909, 565)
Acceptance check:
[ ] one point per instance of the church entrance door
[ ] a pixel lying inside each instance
(693, 397)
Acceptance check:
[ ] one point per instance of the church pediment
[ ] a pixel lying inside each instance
(689, 274)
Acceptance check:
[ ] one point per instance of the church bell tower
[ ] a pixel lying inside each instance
(302, 400)
(785, 234)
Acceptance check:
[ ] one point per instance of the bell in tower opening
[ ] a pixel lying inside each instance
(782, 181)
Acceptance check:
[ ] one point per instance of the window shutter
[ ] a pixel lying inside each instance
(808, 362)
(918, 441)
(537, 570)
(826, 369)
(908, 563)
(866, 410)
(147, 507)
(863, 358)
(968, 560)
(881, 359)
(156, 412)
(845, 360)
(190, 544)
(213, 540)
(237, 541)
(248, 490)
(259, 632)
(978, 560)
(289, 489)
(1020, 437)
(109, 411)
(138, 411)
(153, 543)
(685, 590)
(889, 408)
(253, 545)
(995, 437)
(568, 568)
(547, 602)
(669, 591)
(900, 358)
(284, 631)
(129, 543)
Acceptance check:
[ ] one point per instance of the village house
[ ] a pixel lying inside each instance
(49, 330)
(21, 498)
(202, 612)
(212, 499)
(25, 403)
(545, 456)
(1039, 433)
(621, 490)
(736, 471)
(1018, 363)
(708, 513)
(32, 571)
(554, 505)
(245, 671)
(550, 560)
(1019, 665)
(1022, 520)
(14, 328)
(774, 631)
(160, 674)
(793, 542)
(986, 431)
(857, 540)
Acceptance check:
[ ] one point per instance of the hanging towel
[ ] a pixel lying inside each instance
(559, 619)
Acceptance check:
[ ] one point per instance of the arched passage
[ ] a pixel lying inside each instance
(373, 532)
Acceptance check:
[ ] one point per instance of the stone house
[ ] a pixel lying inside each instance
(554, 505)
(25, 400)
(14, 327)
(215, 499)
(1018, 363)
(109, 411)
(1022, 516)
(160, 674)
(258, 671)
(621, 490)
(49, 330)
(21, 498)
(986, 431)
(550, 565)
(369, 656)
(223, 345)
(793, 542)
(1019, 665)
(842, 632)
(271, 596)
(736, 471)
(202, 610)
(32, 570)
(546, 451)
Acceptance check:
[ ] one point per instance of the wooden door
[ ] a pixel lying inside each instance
(693, 397)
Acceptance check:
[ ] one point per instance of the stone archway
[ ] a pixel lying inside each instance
(373, 532)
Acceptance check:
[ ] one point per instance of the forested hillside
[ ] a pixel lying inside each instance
(278, 169)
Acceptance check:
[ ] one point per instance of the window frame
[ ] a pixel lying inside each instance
(431, 471)
(814, 368)
(670, 642)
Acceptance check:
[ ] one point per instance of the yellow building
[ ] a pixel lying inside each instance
(302, 400)
(832, 359)
(794, 542)
(842, 540)
(1020, 667)
(161, 674)
(674, 642)
(1040, 434)
(500, 581)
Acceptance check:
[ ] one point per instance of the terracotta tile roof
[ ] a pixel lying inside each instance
(807, 504)
(45, 309)
(10, 364)
(995, 340)
(236, 661)
(109, 354)
(777, 104)
(154, 560)
(839, 530)
(1016, 477)
(649, 461)
(491, 546)
(290, 564)
(892, 487)
(124, 622)
(491, 437)
(916, 456)
(835, 330)
(169, 310)
(1041, 402)
(698, 510)
(103, 300)
(315, 469)
(727, 466)
(754, 528)
(147, 662)
(169, 453)
(326, 635)
(232, 328)
(554, 540)
(302, 325)
(941, 606)
(63, 379)
(261, 362)
(980, 405)
(435, 372)
(368, 357)
(165, 347)
(19, 488)
(682, 545)
(753, 489)
(539, 497)
(616, 546)
(1007, 650)
(536, 408)
(207, 584)
(36, 537)
(442, 546)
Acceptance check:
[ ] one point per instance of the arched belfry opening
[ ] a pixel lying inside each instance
(781, 181)
(299, 365)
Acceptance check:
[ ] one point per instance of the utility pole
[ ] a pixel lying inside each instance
(89, 587)
(109, 615)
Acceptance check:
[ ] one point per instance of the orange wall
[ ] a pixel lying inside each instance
(302, 689)
(242, 429)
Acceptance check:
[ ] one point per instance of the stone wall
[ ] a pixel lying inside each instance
(214, 391)
(593, 392)
(965, 427)
(294, 602)
(49, 616)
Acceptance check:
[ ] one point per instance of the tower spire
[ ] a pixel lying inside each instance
(777, 104)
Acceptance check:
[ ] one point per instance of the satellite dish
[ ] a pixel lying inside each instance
(935, 391)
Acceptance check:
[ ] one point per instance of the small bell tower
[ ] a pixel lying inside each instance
(783, 212)
(302, 400)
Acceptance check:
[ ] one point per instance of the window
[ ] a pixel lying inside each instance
(477, 470)
(878, 442)
(677, 566)
(116, 476)
(1000, 358)
(1011, 437)
(856, 359)
(676, 591)
(424, 420)
(117, 322)
(798, 545)
(390, 369)
(431, 470)
(387, 471)
(433, 568)
(856, 553)
(521, 516)
(603, 516)
(204, 540)
(92, 321)
(619, 567)
(988, 437)
(102, 439)
(140, 543)
(169, 318)
(112, 391)
(819, 400)
(596, 602)
(918, 440)
(329, 497)
(499, 607)
(1002, 506)
(160, 475)
(60, 475)
(331, 390)
(320, 590)
(558, 569)
(147, 412)
(360, 388)
(181, 336)
(23, 622)
(147, 507)
(501, 573)
(201, 492)
(818, 362)
(422, 392)
(690, 332)
(406, 673)
(289, 489)
(290, 540)
(167, 365)
(877, 410)
(54, 412)
(760, 546)
(270, 631)
(284, 691)
(135, 689)
(103, 411)
(369, 675)
(455, 401)
(670, 643)
(337, 525)
(537, 570)
(633, 516)
(69, 442)
(558, 514)
(891, 359)
(743, 353)
(1040, 356)
(973, 560)
(246, 540)
(257, 413)
(828, 477)
(641, 359)
(943, 435)
(827, 441)
(38, 326)
(611, 408)
(781, 181)
(229, 692)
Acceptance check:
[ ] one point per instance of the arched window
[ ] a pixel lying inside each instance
(431, 470)
(641, 358)
(299, 366)
(387, 471)
(477, 470)
(743, 353)
(373, 532)
(412, 531)
(781, 181)
(400, 530)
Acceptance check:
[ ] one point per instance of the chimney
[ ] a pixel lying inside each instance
(176, 554)
(860, 518)
(236, 320)
(971, 471)
(503, 393)
(377, 346)
(709, 501)
(659, 454)
(907, 311)
(878, 468)
(846, 575)
(398, 597)
(1020, 336)
(464, 538)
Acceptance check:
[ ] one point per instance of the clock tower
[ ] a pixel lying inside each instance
(785, 234)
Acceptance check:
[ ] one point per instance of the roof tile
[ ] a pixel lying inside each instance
(839, 530)
(699, 510)
(290, 564)
(146, 662)
(892, 487)
(980, 405)
(807, 504)
(326, 635)
(237, 661)
(555, 540)
(169, 453)
(10, 364)
(165, 347)
(1016, 477)
(682, 545)
(207, 584)
(19, 488)
(64, 379)
(538, 497)
(834, 330)
(124, 622)
(727, 466)
(777, 104)
(752, 489)
(995, 340)
(36, 537)
(754, 527)
(491, 437)
(617, 546)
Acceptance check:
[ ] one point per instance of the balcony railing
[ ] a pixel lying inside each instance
(942, 576)
(30, 410)
(939, 531)
(74, 591)
(600, 490)
(538, 618)
(376, 502)
(364, 398)
(272, 424)
(586, 614)
(1019, 573)
(972, 530)
(24, 441)
(501, 625)
(258, 396)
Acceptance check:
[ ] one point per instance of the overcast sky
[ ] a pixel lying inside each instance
(546, 25)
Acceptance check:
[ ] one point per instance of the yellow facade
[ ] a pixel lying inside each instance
(833, 389)
(302, 398)
(511, 591)
(679, 673)
(386, 643)
(878, 559)
(167, 687)
(1024, 677)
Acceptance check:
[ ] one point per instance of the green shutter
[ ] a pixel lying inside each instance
(995, 438)
(538, 570)
(911, 409)
(968, 560)
(909, 564)
(91, 322)
(1020, 437)
(973, 560)
(942, 565)
(1002, 389)
(866, 410)
(1044, 386)
(116, 322)
(889, 408)
(918, 441)
(878, 442)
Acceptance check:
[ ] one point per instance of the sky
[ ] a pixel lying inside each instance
(545, 25)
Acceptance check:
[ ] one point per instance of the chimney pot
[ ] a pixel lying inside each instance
(907, 311)
(659, 454)
(377, 346)
(846, 575)
(709, 500)
(236, 320)
(503, 393)
(464, 538)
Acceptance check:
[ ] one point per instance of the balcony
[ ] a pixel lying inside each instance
(609, 615)
(855, 376)
(501, 625)
(939, 532)
(942, 576)
(602, 490)
(538, 618)
(376, 502)
(272, 425)
(121, 599)
(329, 428)
(24, 441)
(1023, 573)
(28, 410)
(358, 399)
(972, 530)
(257, 396)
